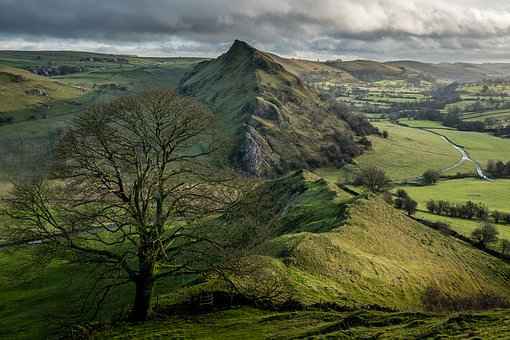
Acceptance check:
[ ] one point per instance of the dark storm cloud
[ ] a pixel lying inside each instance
(384, 28)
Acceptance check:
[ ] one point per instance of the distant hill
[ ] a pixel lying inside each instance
(276, 122)
(366, 70)
(460, 72)
(20, 90)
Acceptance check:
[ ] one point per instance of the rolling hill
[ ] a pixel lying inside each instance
(20, 89)
(375, 255)
(275, 121)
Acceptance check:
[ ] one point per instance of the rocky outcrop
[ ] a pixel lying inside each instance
(266, 110)
(256, 155)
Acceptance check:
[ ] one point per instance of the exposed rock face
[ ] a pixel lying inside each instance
(257, 157)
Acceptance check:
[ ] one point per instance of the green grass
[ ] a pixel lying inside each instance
(494, 194)
(381, 257)
(481, 147)
(462, 226)
(370, 254)
(407, 153)
(34, 296)
(498, 114)
(15, 98)
(249, 323)
(427, 124)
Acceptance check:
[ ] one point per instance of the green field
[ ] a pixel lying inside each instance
(426, 124)
(406, 154)
(464, 227)
(15, 87)
(498, 114)
(496, 195)
(481, 146)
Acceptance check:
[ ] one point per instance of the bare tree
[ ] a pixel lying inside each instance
(374, 179)
(133, 189)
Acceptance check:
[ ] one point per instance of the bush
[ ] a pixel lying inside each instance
(374, 179)
(505, 247)
(486, 234)
(431, 177)
(405, 202)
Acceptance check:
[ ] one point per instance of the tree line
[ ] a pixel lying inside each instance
(498, 169)
(468, 210)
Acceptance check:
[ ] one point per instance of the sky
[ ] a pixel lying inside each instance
(426, 30)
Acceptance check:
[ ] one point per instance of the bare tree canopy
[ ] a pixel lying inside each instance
(133, 187)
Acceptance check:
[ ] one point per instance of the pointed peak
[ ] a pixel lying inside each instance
(240, 46)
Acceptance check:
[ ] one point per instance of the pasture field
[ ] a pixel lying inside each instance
(497, 114)
(406, 154)
(426, 124)
(20, 89)
(481, 147)
(464, 227)
(496, 194)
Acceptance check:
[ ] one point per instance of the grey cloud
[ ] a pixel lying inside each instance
(381, 28)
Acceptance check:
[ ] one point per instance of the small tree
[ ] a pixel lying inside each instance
(505, 246)
(405, 202)
(432, 206)
(431, 177)
(410, 207)
(498, 216)
(486, 234)
(374, 179)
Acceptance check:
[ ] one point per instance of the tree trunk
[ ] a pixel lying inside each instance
(144, 288)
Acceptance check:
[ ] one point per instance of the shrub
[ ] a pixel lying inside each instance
(374, 179)
(431, 177)
(486, 234)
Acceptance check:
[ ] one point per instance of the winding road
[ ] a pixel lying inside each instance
(465, 155)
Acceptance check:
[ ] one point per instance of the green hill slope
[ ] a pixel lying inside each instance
(20, 89)
(359, 252)
(332, 248)
(367, 257)
(377, 255)
(276, 122)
